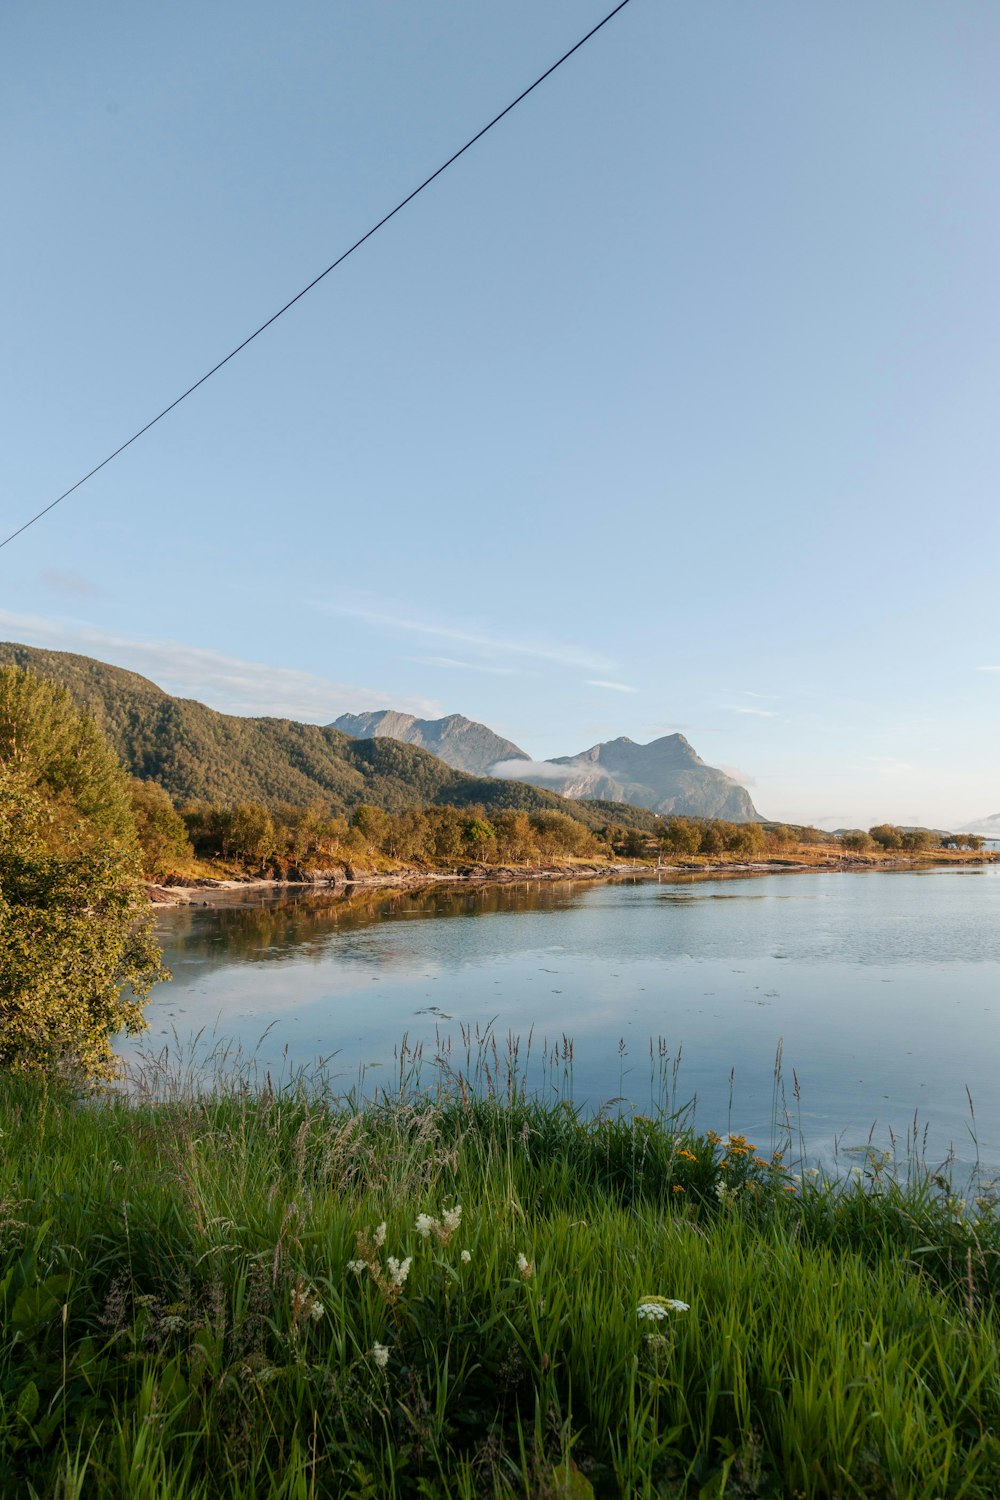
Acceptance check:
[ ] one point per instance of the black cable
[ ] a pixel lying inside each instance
(317, 279)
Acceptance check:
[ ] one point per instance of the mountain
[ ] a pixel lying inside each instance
(459, 742)
(194, 752)
(666, 775)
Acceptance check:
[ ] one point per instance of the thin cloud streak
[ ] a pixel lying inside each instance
(542, 650)
(544, 770)
(451, 662)
(230, 684)
(757, 713)
(615, 687)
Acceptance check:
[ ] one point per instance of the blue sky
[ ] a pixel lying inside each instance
(672, 406)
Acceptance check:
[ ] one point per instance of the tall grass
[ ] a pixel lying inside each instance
(199, 1299)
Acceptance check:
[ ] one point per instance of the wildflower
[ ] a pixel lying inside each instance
(380, 1236)
(657, 1308)
(812, 1173)
(424, 1225)
(677, 1188)
(380, 1354)
(316, 1310)
(526, 1267)
(357, 1266)
(452, 1217)
(466, 1257)
(398, 1270)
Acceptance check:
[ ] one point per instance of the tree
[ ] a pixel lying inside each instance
(248, 834)
(161, 831)
(74, 921)
(887, 835)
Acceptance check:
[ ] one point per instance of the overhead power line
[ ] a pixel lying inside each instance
(317, 279)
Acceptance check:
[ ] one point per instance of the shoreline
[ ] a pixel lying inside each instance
(208, 890)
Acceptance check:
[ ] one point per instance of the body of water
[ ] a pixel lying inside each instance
(882, 987)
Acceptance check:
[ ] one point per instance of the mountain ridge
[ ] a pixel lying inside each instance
(461, 743)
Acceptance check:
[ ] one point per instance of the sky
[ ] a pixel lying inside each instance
(672, 406)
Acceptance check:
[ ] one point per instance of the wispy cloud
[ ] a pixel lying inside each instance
(988, 669)
(69, 584)
(231, 684)
(742, 778)
(467, 666)
(614, 687)
(544, 770)
(757, 713)
(542, 650)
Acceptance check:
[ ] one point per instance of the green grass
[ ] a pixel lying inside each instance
(181, 1318)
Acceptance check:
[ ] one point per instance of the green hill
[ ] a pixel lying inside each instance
(194, 752)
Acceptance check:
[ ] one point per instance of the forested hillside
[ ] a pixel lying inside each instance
(195, 753)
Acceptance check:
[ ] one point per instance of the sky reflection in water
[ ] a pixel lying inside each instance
(883, 986)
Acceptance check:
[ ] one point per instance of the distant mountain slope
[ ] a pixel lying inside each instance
(195, 752)
(459, 742)
(666, 775)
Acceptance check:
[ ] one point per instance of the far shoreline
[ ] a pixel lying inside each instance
(223, 891)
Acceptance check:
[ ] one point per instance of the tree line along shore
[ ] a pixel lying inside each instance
(284, 842)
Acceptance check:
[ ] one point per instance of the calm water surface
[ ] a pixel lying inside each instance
(883, 986)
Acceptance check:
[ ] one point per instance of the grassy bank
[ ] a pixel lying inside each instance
(272, 1294)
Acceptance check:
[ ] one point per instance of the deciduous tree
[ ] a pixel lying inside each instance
(76, 953)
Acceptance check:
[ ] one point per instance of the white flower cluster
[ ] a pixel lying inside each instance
(442, 1229)
(380, 1354)
(398, 1269)
(357, 1266)
(305, 1303)
(656, 1308)
(526, 1267)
